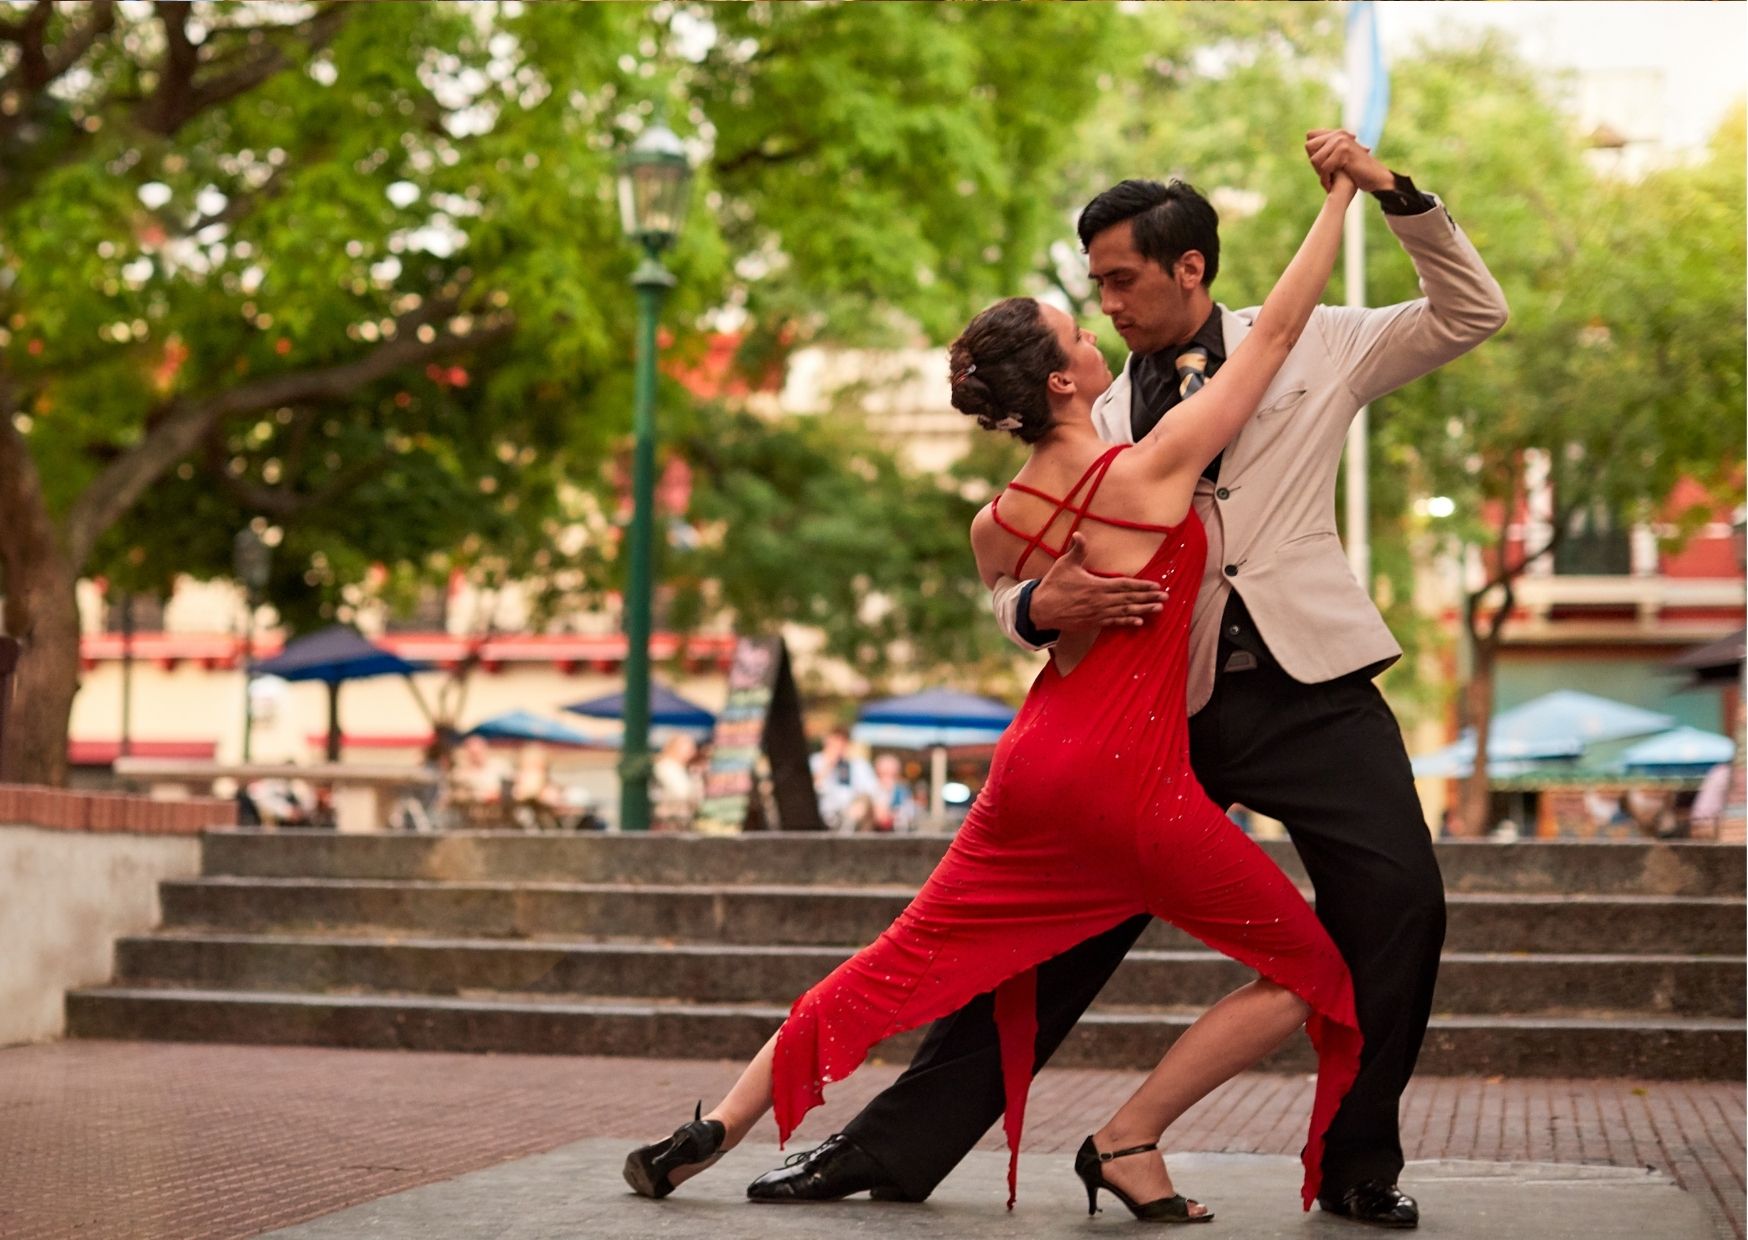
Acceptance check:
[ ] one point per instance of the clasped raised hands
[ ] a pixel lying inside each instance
(1334, 152)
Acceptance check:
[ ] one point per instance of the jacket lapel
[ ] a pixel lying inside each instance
(1110, 412)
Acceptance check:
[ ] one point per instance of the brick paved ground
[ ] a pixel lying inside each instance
(146, 1141)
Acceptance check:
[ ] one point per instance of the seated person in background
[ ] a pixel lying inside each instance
(532, 789)
(478, 775)
(283, 802)
(476, 782)
(895, 807)
(845, 784)
(674, 785)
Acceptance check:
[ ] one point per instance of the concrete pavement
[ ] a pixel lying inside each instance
(576, 1191)
(168, 1141)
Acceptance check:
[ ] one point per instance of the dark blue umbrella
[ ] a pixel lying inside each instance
(941, 710)
(333, 655)
(667, 709)
(523, 725)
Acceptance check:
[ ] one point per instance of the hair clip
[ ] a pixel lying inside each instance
(964, 374)
(1008, 424)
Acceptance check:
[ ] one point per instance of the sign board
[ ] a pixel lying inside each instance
(761, 719)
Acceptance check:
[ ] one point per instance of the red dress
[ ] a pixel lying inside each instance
(1090, 815)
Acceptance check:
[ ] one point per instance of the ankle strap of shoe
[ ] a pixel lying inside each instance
(1133, 1149)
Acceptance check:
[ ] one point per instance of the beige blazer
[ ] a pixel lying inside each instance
(1271, 520)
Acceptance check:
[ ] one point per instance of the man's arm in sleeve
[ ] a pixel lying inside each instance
(1012, 601)
(1379, 350)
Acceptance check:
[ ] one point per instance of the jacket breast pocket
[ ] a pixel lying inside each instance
(1281, 402)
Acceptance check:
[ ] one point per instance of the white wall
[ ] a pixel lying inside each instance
(65, 897)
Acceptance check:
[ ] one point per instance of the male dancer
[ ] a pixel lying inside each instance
(1284, 645)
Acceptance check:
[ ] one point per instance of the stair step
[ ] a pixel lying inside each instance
(1666, 1047)
(1469, 982)
(852, 916)
(1597, 867)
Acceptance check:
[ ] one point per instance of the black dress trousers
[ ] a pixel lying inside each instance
(1328, 761)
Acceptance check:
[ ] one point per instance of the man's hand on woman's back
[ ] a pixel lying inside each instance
(1071, 597)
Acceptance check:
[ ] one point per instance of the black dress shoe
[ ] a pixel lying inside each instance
(1376, 1203)
(836, 1169)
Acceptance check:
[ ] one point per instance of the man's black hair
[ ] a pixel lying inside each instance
(1169, 220)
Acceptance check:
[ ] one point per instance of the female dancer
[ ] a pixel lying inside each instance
(1091, 813)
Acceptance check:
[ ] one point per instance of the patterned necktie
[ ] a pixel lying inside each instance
(1192, 371)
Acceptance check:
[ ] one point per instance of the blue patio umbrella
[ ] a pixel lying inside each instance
(332, 656)
(524, 725)
(1556, 727)
(1457, 759)
(1679, 751)
(1567, 714)
(933, 720)
(940, 716)
(667, 709)
(905, 736)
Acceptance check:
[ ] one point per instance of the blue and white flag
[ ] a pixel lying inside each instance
(1368, 81)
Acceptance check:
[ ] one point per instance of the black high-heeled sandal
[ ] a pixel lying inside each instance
(1089, 1166)
(648, 1167)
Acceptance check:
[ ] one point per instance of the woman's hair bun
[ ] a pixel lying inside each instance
(1000, 365)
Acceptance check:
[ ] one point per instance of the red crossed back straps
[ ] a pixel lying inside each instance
(1096, 474)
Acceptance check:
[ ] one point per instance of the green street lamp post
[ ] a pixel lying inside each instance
(654, 179)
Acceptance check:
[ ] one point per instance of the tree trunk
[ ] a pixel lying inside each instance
(1473, 815)
(42, 612)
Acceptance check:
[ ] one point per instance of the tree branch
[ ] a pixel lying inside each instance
(178, 425)
(33, 61)
(181, 98)
(181, 59)
(1472, 608)
(763, 154)
(39, 65)
(283, 504)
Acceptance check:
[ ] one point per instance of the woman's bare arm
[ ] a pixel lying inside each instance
(1199, 430)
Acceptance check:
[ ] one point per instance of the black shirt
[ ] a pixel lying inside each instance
(1154, 392)
(1154, 382)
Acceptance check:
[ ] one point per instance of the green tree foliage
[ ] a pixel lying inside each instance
(355, 270)
(814, 521)
(1623, 361)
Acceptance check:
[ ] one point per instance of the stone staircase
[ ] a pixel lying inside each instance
(1562, 959)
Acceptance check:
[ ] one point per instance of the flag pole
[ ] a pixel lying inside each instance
(1368, 97)
(1359, 543)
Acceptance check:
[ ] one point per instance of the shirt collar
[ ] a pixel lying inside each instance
(1210, 337)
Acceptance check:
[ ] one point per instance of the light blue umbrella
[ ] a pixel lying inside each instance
(524, 725)
(1457, 759)
(1557, 727)
(1568, 715)
(1679, 751)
